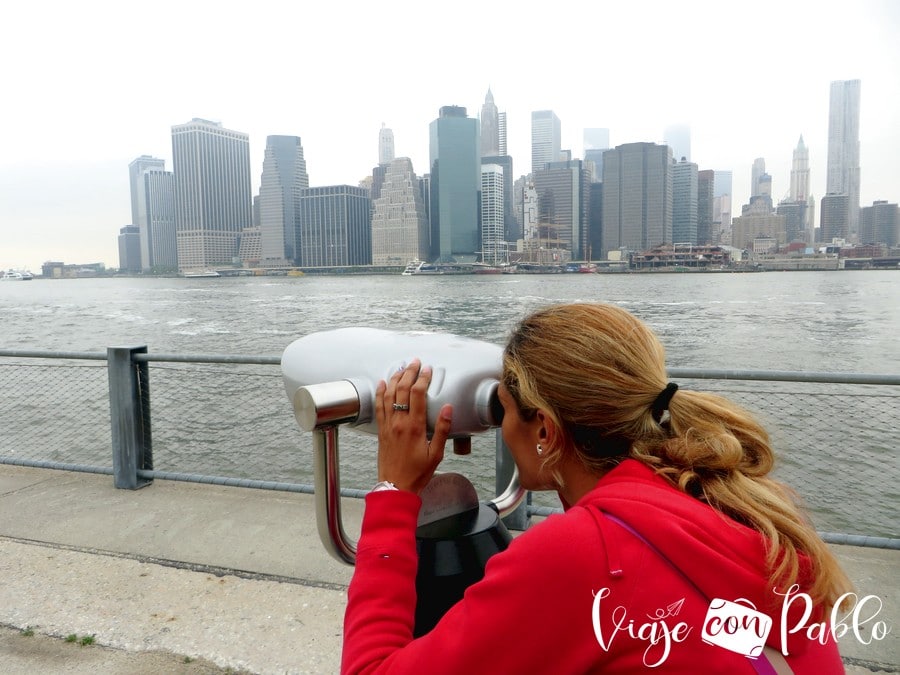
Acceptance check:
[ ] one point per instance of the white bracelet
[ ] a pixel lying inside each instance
(384, 485)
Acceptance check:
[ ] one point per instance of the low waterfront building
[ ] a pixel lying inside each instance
(671, 256)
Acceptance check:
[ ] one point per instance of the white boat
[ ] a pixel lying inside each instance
(415, 267)
(15, 275)
(201, 274)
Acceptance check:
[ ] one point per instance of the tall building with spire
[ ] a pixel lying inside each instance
(385, 145)
(546, 139)
(800, 173)
(843, 171)
(490, 127)
(796, 206)
(213, 202)
(399, 219)
(283, 176)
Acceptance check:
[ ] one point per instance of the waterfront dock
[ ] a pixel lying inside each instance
(184, 577)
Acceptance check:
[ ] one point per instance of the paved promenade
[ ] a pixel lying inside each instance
(186, 578)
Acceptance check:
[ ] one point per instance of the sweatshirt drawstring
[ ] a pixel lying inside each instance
(607, 537)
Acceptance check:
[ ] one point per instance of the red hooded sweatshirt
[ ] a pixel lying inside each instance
(635, 577)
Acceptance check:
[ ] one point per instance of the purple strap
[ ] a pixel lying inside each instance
(761, 665)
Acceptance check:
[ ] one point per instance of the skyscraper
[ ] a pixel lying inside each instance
(880, 224)
(705, 202)
(721, 232)
(283, 176)
(596, 142)
(756, 174)
(212, 192)
(563, 191)
(684, 202)
(493, 242)
(835, 217)
(546, 139)
(130, 249)
(490, 127)
(512, 231)
(455, 179)
(501, 133)
(399, 219)
(800, 173)
(159, 188)
(799, 195)
(843, 148)
(385, 145)
(136, 170)
(637, 197)
(335, 226)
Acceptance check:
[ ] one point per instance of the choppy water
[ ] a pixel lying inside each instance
(810, 321)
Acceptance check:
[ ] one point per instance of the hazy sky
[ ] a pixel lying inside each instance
(89, 86)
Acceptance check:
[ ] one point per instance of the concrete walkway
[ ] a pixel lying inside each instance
(186, 578)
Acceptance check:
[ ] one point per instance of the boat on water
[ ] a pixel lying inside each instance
(415, 267)
(16, 275)
(201, 274)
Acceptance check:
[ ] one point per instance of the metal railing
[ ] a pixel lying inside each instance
(225, 420)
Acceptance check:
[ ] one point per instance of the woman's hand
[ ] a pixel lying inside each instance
(406, 457)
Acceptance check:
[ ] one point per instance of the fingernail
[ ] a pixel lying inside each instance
(426, 370)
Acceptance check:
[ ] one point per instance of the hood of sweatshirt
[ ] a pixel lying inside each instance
(721, 557)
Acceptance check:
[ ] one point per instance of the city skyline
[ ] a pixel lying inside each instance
(82, 112)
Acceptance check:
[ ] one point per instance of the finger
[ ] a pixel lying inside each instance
(379, 402)
(441, 432)
(390, 392)
(409, 374)
(407, 379)
(418, 393)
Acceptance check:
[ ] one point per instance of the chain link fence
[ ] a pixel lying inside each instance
(837, 443)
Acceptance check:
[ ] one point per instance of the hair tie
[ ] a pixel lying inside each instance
(661, 402)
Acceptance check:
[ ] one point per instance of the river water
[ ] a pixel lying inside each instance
(803, 321)
(824, 321)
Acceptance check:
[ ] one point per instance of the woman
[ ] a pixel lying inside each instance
(677, 550)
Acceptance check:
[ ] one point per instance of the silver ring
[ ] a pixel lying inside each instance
(401, 406)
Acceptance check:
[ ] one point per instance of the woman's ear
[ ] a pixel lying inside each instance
(547, 429)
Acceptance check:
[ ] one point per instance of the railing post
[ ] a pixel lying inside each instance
(129, 410)
(505, 466)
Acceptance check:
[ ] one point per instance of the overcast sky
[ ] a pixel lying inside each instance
(89, 86)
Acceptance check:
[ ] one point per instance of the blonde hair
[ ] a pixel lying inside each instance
(596, 371)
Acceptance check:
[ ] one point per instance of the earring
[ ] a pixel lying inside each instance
(540, 449)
